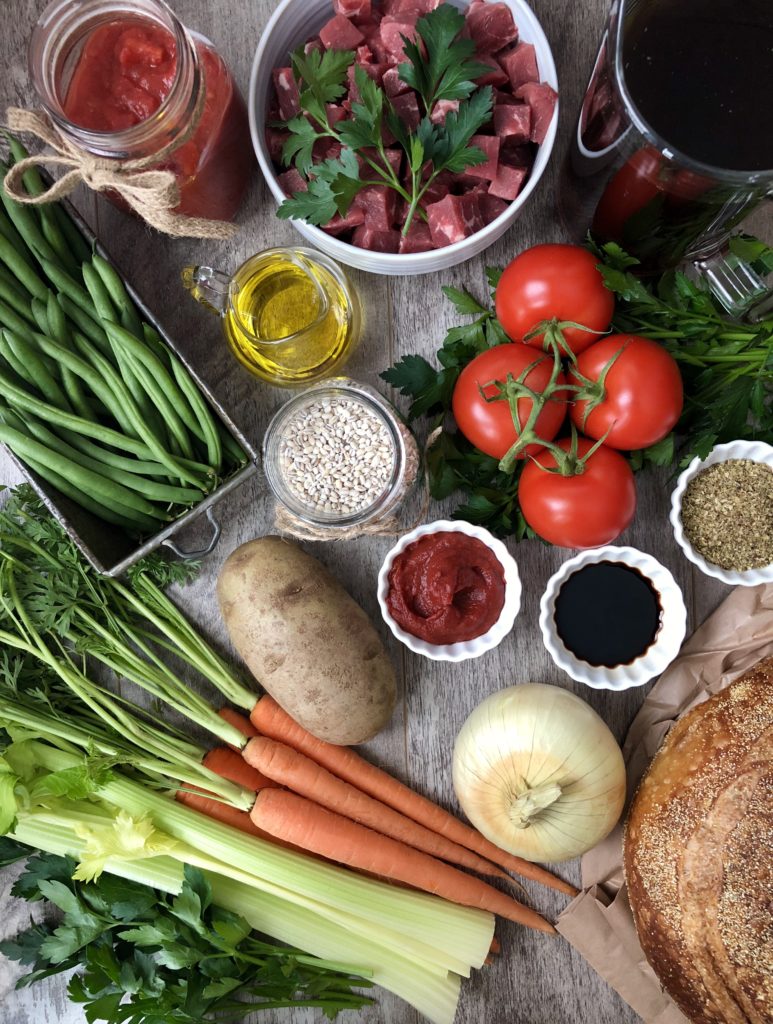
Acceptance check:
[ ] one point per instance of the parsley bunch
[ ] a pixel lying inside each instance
(447, 72)
(144, 957)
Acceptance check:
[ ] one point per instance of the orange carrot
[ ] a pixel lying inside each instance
(238, 721)
(297, 820)
(219, 811)
(229, 765)
(290, 768)
(270, 720)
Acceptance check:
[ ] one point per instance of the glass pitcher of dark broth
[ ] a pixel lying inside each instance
(673, 147)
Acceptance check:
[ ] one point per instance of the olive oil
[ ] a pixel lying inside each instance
(291, 317)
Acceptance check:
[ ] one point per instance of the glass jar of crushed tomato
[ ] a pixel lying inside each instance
(126, 81)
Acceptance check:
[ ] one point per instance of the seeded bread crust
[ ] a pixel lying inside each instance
(698, 856)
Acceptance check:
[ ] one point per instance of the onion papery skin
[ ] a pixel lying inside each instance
(533, 738)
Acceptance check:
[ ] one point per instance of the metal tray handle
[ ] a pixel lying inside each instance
(201, 552)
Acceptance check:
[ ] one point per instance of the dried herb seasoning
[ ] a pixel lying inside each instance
(727, 514)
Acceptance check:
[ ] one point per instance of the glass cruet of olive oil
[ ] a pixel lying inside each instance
(290, 316)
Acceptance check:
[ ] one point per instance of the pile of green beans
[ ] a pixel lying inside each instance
(91, 399)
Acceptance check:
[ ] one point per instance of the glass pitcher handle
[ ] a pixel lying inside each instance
(208, 286)
(736, 286)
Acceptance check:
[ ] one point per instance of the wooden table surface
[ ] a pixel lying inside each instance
(535, 980)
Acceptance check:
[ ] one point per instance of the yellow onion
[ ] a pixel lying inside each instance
(539, 773)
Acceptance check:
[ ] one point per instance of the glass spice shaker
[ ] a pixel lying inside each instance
(338, 456)
(124, 81)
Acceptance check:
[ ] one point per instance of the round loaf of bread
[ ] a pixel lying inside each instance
(699, 856)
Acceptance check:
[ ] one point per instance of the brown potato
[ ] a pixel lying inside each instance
(306, 641)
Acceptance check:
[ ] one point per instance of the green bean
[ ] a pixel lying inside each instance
(79, 246)
(157, 395)
(128, 519)
(27, 224)
(84, 479)
(76, 395)
(22, 399)
(66, 284)
(57, 325)
(13, 361)
(88, 372)
(86, 325)
(44, 379)
(21, 270)
(40, 314)
(33, 182)
(9, 231)
(154, 342)
(8, 318)
(231, 447)
(119, 462)
(149, 488)
(98, 294)
(129, 317)
(200, 411)
(158, 373)
(52, 233)
(16, 297)
(129, 407)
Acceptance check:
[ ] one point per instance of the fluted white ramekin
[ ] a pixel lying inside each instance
(756, 451)
(661, 652)
(468, 648)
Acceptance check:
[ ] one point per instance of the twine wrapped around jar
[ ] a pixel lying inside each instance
(151, 194)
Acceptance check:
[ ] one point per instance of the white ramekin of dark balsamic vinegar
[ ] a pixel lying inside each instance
(613, 618)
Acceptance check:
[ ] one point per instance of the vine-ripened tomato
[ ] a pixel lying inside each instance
(643, 392)
(489, 425)
(554, 281)
(580, 511)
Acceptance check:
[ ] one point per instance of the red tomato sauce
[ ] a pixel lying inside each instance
(126, 70)
(446, 588)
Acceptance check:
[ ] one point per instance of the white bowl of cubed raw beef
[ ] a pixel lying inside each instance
(462, 213)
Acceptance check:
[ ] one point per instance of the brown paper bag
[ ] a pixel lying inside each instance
(599, 923)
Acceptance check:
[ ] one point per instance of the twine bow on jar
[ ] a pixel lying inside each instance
(151, 193)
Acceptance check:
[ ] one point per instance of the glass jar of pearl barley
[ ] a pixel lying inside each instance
(339, 459)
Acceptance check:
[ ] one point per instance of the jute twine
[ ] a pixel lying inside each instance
(152, 194)
(288, 523)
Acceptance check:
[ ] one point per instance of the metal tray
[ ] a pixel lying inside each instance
(109, 548)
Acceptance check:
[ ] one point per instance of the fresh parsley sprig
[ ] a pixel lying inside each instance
(144, 957)
(447, 72)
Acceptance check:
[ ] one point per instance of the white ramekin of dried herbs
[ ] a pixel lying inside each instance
(338, 457)
(722, 513)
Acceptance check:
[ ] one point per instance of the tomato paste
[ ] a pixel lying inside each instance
(446, 588)
(124, 73)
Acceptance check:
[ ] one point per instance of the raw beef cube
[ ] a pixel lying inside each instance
(340, 34)
(508, 181)
(275, 140)
(491, 207)
(339, 224)
(352, 8)
(513, 122)
(313, 44)
(497, 76)
(542, 100)
(410, 6)
(377, 241)
(504, 98)
(287, 93)
(393, 84)
(454, 218)
(374, 71)
(520, 65)
(407, 109)
(292, 182)
(418, 238)
(490, 146)
(442, 109)
(364, 54)
(491, 26)
(516, 154)
(380, 206)
(392, 30)
(372, 33)
(335, 113)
